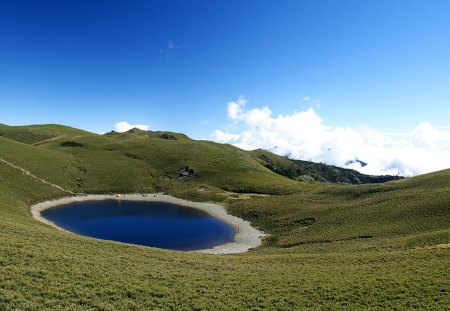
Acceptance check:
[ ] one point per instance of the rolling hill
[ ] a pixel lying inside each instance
(329, 245)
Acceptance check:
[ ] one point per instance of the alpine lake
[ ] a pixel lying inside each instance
(154, 224)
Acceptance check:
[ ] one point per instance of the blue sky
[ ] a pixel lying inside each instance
(175, 65)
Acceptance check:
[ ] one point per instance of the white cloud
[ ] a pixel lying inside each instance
(303, 135)
(125, 126)
(235, 108)
(222, 137)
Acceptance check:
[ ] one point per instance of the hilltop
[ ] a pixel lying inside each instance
(331, 244)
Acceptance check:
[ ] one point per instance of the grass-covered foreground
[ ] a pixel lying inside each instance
(331, 246)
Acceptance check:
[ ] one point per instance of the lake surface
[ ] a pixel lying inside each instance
(153, 224)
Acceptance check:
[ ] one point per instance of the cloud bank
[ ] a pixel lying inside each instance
(125, 126)
(303, 135)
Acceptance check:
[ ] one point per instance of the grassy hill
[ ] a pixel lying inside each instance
(331, 246)
(35, 134)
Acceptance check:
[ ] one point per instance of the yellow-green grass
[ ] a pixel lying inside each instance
(34, 134)
(330, 246)
(125, 162)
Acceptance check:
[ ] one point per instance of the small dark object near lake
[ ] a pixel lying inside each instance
(155, 224)
(71, 144)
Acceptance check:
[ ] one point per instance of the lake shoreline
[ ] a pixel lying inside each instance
(246, 236)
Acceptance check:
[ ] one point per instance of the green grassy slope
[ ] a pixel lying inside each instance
(330, 246)
(400, 215)
(34, 134)
(51, 165)
(128, 162)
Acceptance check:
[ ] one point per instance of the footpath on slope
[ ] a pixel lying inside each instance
(29, 174)
(48, 140)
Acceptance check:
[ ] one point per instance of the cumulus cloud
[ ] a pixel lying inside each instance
(303, 135)
(125, 126)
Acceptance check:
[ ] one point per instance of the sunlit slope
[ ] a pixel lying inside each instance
(52, 165)
(402, 214)
(17, 193)
(145, 163)
(35, 134)
(139, 162)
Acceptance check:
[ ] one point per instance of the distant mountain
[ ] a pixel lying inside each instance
(319, 172)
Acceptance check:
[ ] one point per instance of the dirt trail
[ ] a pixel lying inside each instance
(48, 140)
(436, 246)
(27, 173)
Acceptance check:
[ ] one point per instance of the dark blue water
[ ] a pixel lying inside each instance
(154, 224)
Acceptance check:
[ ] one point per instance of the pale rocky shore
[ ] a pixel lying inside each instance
(246, 236)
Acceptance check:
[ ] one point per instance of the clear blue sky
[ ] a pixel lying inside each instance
(175, 64)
